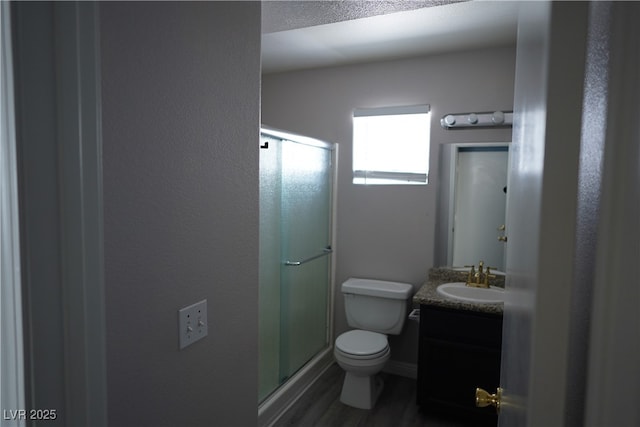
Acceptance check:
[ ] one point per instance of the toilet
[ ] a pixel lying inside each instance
(376, 308)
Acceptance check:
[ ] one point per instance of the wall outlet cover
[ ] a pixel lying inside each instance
(192, 323)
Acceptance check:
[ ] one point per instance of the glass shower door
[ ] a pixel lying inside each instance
(295, 247)
(306, 245)
(269, 260)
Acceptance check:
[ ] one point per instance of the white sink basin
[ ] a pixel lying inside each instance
(462, 292)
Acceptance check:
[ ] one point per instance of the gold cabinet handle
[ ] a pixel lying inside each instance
(484, 398)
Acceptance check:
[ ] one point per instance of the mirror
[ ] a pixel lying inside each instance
(473, 196)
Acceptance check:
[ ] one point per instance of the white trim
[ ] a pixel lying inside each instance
(12, 393)
(390, 111)
(334, 255)
(386, 177)
(300, 139)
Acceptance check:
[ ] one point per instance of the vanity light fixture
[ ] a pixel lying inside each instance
(495, 119)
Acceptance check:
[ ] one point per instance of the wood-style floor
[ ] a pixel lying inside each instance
(396, 406)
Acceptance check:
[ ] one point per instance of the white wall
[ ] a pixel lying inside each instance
(389, 232)
(180, 85)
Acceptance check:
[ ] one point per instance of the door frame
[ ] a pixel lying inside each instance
(555, 334)
(59, 141)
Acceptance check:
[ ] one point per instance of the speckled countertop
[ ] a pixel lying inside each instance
(428, 294)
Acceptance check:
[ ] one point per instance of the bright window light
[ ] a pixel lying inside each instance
(391, 145)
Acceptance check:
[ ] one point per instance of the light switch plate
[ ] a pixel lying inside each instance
(192, 323)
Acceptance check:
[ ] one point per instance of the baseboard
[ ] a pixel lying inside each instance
(403, 369)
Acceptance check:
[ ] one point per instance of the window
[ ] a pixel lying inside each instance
(391, 145)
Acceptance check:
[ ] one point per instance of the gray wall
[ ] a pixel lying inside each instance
(181, 86)
(389, 232)
(59, 172)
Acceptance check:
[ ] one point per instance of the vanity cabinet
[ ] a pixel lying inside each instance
(459, 350)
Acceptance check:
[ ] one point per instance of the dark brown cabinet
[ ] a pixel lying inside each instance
(459, 350)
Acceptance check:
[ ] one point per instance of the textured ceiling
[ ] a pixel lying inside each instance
(383, 34)
(289, 15)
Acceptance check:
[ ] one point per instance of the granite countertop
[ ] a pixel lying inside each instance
(428, 294)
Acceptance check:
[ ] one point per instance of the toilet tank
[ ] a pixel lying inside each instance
(376, 305)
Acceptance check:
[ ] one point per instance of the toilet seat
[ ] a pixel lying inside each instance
(359, 344)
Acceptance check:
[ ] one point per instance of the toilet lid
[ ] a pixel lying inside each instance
(362, 343)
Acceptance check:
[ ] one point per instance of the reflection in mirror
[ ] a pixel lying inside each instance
(473, 204)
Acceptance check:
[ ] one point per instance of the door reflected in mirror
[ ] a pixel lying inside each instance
(477, 204)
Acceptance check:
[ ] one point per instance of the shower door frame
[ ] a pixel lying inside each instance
(285, 394)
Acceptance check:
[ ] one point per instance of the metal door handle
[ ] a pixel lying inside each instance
(325, 251)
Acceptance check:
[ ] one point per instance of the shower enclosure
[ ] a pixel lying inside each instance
(296, 192)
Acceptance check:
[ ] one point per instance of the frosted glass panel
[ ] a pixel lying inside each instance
(295, 225)
(269, 259)
(306, 196)
(305, 199)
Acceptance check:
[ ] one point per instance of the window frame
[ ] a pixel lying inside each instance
(384, 177)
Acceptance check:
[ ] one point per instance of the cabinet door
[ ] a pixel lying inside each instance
(451, 373)
(458, 352)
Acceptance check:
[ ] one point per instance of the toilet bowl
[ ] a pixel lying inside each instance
(376, 308)
(362, 354)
